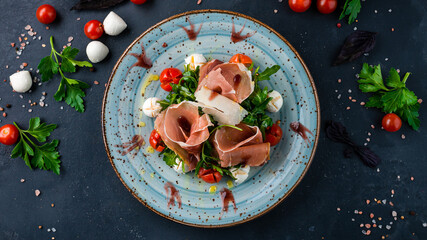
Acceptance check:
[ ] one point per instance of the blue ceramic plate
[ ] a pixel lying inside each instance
(125, 127)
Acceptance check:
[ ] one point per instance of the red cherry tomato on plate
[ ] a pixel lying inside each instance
(138, 2)
(241, 58)
(169, 75)
(9, 134)
(94, 29)
(391, 122)
(209, 175)
(299, 5)
(46, 14)
(327, 6)
(273, 135)
(156, 141)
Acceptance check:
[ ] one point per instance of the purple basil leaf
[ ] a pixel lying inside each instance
(356, 44)
(95, 4)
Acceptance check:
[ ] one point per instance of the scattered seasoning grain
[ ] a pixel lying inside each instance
(420, 101)
(412, 178)
(43, 45)
(1, 109)
(4, 114)
(40, 226)
(368, 225)
(353, 100)
(394, 213)
(199, 1)
(22, 180)
(402, 217)
(368, 232)
(12, 44)
(371, 215)
(47, 28)
(372, 126)
(362, 103)
(339, 80)
(52, 205)
(347, 108)
(368, 201)
(275, 10)
(96, 82)
(392, 29)
(403, 136)
(338, 209)
(70, 38)
(339, 25)
(37, 192)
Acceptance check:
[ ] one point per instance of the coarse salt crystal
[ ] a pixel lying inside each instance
(37, 192)
(394, 213)
(425, 224)
(388, 227)
(22, 180)
(378, 170)
(403, 136)
(275, 10)
(70, 39)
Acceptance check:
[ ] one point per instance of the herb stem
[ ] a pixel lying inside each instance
(406, 77)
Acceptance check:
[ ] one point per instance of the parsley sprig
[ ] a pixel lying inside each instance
(256, 103)
(70, 90)
(44, 156)
(393, 96)
(351, 9)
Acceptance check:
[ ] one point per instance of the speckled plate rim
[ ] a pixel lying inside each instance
(104, 101)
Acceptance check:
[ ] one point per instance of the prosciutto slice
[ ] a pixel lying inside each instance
(232, 80)
(183, 130)
(241, 147)
(206, 68)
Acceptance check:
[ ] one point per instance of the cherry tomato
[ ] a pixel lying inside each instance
(391, 122)
(241, 58)
(46, 14)
(94, 29)
(273, 135)
(327, 6)
(169, 75)
(209, 175)
(299, 5)
(9, 134)
(138, 2)
(156, 141)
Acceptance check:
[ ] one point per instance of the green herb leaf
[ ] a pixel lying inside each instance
(169, 156)
(397, 98)
(351, 9)
(47, 68)
(45, 156)
(70, 90)
(371, 79)
(265, 75)
(40, 131)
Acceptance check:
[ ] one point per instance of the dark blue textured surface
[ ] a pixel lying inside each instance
(91, 202)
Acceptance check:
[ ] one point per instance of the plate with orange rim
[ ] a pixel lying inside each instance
(184, 198)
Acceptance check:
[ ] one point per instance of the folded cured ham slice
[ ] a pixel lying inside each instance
(240, 147)
(231, 80)
(206, 68)
(183, 130)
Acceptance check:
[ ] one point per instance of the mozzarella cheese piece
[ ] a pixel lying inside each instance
(241, 174)
(114, 24)
(21, 81)
(223, 110)
(96, 51)
(276, 103)
(195, 60)
(151, 107)
(178, 166)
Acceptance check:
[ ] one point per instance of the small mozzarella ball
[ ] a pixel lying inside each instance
(21, 81)
(151, 107)
(195, 60)
(241, 174)
(114, 24)
(276, 103)
(178, 166)
(96, 51)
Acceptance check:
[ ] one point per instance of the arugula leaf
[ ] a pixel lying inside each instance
(351, 9)
(169, 156)
(45, 156)
(265, 75)
(70, 90)
(395, 97)
(209, 162)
